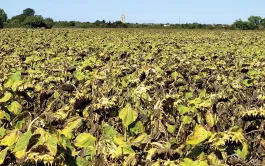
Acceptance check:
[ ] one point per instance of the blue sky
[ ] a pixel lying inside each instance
(141, 11)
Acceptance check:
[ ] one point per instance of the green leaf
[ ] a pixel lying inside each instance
(205, 103)
(118, 140)
(128, 115)
(183, 109)
(2, 114)
(7, 96)
(84, 140)
(124, 84)
(188, 95)
(171, 128)
(109, 131)
(19, 124)
(56, 94)
(38, 88)
(200, 135)
(123, 150)
(189, 162)
(186, 119)
(15, 108)
(252, 72)
(247, 82)
(79, 75)
(15, 85)
(243, 152)
(67, 131)
(64, 142)
(137, 127)
(175, 74)
(7, 116)
(16, 76)
(2, 132)
(12, 79)
(22, 144)
(202, 163)
(52, 144)
(80, 161)
(203, 93)
(3, 155)
(9, 139)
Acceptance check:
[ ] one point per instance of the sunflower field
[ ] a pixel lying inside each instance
(132, 97)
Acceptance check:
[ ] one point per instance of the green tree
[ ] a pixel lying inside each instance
(3, 18)
(49, 23)
(28, 12)
(97, 22)
(72, 23)
(262, 22)
(243, 25)
(254, 22)
(34, 22)
(18, 19)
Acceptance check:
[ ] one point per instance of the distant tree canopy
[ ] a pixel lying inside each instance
(18, 19)
(29, 19)
(34, 22)
(239, 24)
(48, 23)
(3, 18)
(253, 23)
(28, 12)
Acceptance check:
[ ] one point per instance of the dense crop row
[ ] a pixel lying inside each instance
(132, 97)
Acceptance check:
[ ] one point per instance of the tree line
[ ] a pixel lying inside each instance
(29, 19)
(253, 23)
